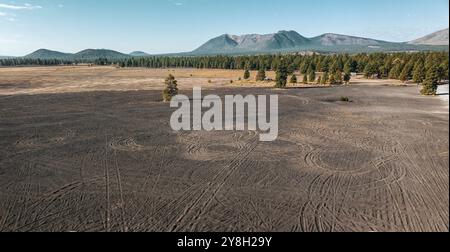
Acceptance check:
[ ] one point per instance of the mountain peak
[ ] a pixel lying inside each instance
(283, 41)
(139, 54)
(292, 41)
(47, 54)
(82, 55)
(288, 31)
(333, 39)
(43, 50)
(438, 38)
(227, 43)
(99, 53)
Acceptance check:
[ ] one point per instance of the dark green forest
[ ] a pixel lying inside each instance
(401, 66)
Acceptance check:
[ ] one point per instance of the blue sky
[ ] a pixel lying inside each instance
(162, 26)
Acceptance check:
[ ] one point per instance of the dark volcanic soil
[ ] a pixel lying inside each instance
(108, 161)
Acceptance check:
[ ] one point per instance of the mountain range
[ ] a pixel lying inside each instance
(139, 54)
(437, 38)
(280, 42)
(88, 54)
(291, 41)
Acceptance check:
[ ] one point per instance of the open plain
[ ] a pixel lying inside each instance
(91, 149)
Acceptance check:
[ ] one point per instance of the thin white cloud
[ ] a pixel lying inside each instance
(8, 16)
(26, 6)
(14, 40)
(177, 3)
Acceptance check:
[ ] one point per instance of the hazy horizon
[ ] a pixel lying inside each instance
(171, 26)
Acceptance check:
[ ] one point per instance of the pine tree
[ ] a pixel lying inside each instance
(396, 71)
(304, 67)
(332, 79)
(335, 66)
(325, 78)
(293, 79)
(312, 76)
(261, 76)
(171, 88)
(430, 84)
(442, 72)
(406, 73)
(385, 69)
(419, 73)
(282, 75)
(305, 79)
(371, 70)
(347, 78)
(403, 75)
(246, 74)
(338, 77)
(445, 69)
(347, 67)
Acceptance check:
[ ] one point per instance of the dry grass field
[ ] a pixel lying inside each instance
(91, 149)
(40, 80)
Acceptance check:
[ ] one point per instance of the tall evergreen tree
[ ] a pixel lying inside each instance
(442, 72)
(282, 75)
(332, 80)
(246, 74)
(430, 84)
(293, 79)
(396, 70)
(325, 78)
(261, 76)
(338, 77)
(371, 70)
(445, 69)
(335, 66)
(312, 76)
(385, 69)
(347, 67)
(305, 79)
(419, 73)
(171, 89)
(347, 78)
(406, 73)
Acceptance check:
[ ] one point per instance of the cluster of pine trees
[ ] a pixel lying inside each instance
(309, 76)
(401, 66)
(334, 68)
(12, 62)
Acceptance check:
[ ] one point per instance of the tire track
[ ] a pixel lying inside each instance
(122, 201)
(107, 189)
(212, 189)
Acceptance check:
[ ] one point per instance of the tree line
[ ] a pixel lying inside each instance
(13, 62)
(402, 66)
(334, 67)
